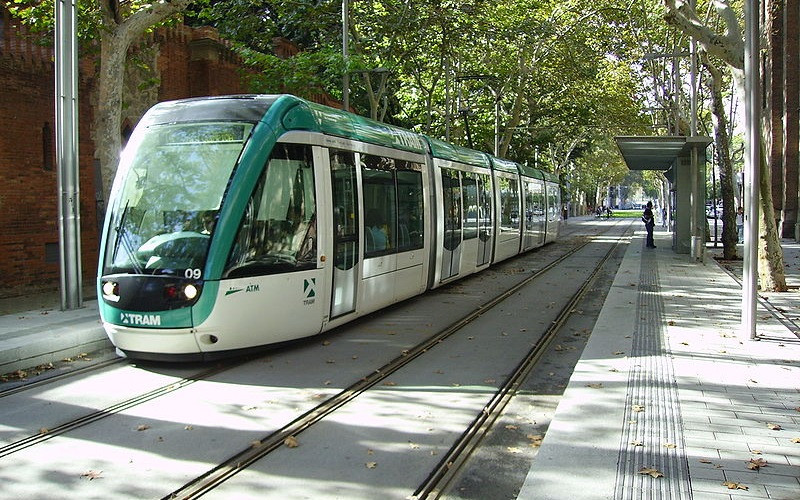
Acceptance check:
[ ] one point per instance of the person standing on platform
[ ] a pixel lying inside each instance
(649, 224)
(740, 224)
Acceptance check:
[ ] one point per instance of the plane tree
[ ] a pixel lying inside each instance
(725, 41)
(115, 26)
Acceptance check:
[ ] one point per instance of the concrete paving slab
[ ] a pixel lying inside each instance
(726, 389)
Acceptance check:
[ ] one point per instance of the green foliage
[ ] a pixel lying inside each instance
(551, 80)
(304, 75)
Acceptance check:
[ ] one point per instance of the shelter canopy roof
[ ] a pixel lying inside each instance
(656, 152)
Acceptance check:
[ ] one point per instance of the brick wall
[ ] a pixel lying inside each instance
(190, 62)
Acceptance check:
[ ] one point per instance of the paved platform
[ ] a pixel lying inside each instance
(670, 400)
(35, 331)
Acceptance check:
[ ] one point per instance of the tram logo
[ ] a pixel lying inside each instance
(140, 319)
(250, 288)
(309, 290)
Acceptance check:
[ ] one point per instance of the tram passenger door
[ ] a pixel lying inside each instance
(485, 223)
(451, 252)
(345, 233)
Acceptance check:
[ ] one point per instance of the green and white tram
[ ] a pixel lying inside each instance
(237, 222)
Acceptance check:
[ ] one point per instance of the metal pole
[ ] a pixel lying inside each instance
(346, 54)
(751, 167)
(698, 242)
(66, 62)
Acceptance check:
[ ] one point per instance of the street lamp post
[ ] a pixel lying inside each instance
(345, 54)
(66, 104)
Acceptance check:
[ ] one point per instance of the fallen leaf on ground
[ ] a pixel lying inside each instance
(371, 465)
(595, 386)
(796, 440)
(637, 443)
(291, 442)
(774, 427)
(651, 472)
(142, 427)
(637, 408)
(735, 486)
(91, 474)
(670, 445)
(705, 461)
(756, 463)
(536, 439)
(512, 427)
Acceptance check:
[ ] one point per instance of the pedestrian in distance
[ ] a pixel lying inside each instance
(649, 224)
(740, 224)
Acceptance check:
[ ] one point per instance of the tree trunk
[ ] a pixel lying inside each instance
(116, 37)
(791, 117)
(721, 140)
(772, 78)
(770, 254)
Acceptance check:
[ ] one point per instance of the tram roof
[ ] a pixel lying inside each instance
(551, 177)
(505, 165)
(531, 172)
(447, 151)
(247, 108)
(305, 115)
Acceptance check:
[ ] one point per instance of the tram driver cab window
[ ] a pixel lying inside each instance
(278, 229)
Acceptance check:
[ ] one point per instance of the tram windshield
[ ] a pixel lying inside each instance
(174, 179)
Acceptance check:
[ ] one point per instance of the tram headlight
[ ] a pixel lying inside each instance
(187, 292)
(111, 291)
(191, 291)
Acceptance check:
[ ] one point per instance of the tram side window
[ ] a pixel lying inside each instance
(552, 202)
(410, 228)
(278, 230)
(539, 201)
(393, 205)
(509, 204)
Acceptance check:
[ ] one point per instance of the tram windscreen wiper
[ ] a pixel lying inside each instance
(122, 237)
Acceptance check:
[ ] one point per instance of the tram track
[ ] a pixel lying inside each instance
(51, 379)
(276, 439)
(47, 433)
(459, 452)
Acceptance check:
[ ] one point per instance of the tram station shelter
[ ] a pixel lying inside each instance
(682, 159)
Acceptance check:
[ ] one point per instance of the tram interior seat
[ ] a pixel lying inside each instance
(369, 242)
(404, 239)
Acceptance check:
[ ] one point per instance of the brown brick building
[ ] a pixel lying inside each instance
(176, 62)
